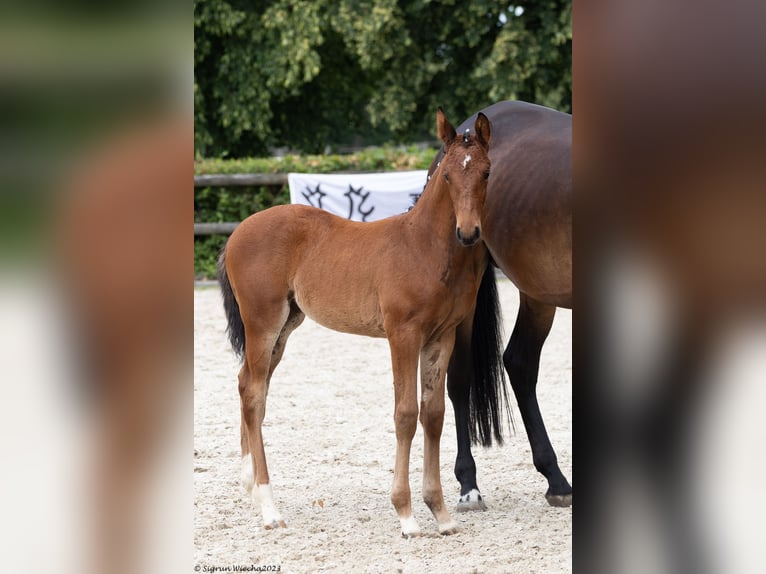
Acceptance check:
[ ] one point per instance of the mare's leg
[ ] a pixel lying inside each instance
(434, 360)
(405, 346)
(459, 387)
(293, 322)
(522, 361)
(266, 332)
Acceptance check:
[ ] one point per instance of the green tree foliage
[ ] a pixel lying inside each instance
(307, 73)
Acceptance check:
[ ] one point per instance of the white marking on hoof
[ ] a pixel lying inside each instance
(448, 528)
(271, 516)
(466, 159)
(410, 527)
(472, 500)
(247, 477)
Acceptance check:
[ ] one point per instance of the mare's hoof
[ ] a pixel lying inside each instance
(274, 524)
(409, 535)
(559, 500)
(472, 500)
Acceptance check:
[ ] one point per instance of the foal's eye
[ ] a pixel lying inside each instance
(486, 174)
(446, 177)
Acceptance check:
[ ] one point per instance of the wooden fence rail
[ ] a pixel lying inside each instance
(240, 179)
(225, 228)
(237, 180)
(233, 180)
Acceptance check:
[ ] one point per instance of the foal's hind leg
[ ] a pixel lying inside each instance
(294, 320)
(266, 336)
(434, 359)
(522, 360)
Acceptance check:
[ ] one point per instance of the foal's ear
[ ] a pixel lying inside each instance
(482, 130)
(444, 128)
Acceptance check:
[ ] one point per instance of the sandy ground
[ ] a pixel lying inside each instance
(330, 444)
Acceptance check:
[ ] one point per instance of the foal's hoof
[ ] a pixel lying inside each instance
(410, 528)
(472, 500)
(559, 500)
(274, 524)
(449, 528)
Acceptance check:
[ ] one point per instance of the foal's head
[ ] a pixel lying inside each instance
(465, 169)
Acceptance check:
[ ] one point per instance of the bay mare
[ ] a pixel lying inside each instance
(527, 227)
(411, 278)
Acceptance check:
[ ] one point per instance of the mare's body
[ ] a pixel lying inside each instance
(527, 227)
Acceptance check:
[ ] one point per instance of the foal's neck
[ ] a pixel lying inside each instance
(434, 212)
(432, 221)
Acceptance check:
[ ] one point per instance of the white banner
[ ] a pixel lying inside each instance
(358, 196)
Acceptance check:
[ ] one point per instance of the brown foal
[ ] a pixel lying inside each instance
(411, 278)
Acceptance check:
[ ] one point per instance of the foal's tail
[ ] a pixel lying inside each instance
(235, 328)
(489, 394)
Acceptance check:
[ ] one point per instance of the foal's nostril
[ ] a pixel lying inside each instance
(476, 233)
(459, 235)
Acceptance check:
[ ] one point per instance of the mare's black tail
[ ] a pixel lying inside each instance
(489, 394)
(235, 328)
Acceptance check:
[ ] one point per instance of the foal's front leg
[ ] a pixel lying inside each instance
(434, 360)
(404, 359)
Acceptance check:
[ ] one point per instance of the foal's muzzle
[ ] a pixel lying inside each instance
(468, 240)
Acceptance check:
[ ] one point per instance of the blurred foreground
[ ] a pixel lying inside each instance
(670, 275)
(96, 148)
